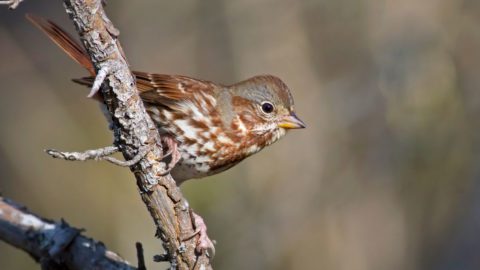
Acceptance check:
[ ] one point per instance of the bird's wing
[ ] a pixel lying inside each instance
(172, 91)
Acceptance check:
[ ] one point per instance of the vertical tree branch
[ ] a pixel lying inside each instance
(134, 130)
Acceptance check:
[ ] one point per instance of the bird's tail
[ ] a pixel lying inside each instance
(64, 41)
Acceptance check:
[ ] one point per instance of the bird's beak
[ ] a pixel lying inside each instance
(291, 121)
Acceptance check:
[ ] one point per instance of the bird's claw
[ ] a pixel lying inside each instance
(204, 244)
(173, 152)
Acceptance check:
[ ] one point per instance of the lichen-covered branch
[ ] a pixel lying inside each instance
(133, 131)
(54, 244)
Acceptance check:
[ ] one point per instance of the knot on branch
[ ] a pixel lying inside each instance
(62, 236)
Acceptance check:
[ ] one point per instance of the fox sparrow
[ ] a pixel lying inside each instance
(208, 127)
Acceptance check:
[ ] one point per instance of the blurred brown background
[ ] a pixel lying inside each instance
(386, 176)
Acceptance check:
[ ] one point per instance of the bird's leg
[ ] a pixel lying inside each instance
(172, 146)
(204, 244)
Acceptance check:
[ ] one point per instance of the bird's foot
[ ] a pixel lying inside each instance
(204, 244)
(173, 152)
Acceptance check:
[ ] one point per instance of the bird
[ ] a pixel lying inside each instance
(209, 127)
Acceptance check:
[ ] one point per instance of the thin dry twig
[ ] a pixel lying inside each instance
(140, 257)
(94, 154)
(99, 154)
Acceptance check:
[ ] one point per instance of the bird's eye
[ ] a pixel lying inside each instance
(267, 107)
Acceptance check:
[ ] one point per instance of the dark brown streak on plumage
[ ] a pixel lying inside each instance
(199, 124)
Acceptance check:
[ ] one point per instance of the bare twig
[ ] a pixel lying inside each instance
(95, 154)
(140, 257)
(54, 244)
(133, 131)
(12, 4)
(100, 154)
